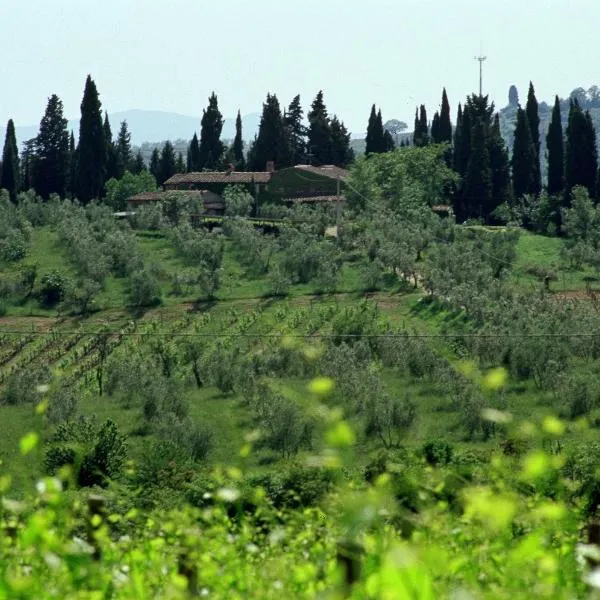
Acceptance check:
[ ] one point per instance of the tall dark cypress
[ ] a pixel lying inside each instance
(296, 131)
(555, 145)
(138, 165)
(271, 145)
(435, 129)
(581, 164)
(462, 149)
(478, 179)
(111, 150)
(238, 145)
(421, 134)
(72, 177)
(374, 136)
(10, 179)
(167, 163)
(445, 127)
(456, 155)
(51, 161)
(123, 148)
(193, 157)
(211, 147)
(92, 147)
(342, 153)
(155, 164)
(500, 167)
(180, 164)
(523, 157)
(533, 119)
(388, 141)
(319, 132)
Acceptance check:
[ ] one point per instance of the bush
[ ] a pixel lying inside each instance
(296, 487)
(22, 387)
(57, 457)
(437, 452)
(13, 247)
(62, 405)
(144, 288)
(106, 458)
(53, 287)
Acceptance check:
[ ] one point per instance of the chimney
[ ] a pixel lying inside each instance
(270, 166)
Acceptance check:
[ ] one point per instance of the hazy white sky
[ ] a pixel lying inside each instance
(170, 54)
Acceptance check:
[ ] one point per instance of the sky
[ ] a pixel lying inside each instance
(170, 55)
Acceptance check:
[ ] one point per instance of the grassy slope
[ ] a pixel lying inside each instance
(226, 414)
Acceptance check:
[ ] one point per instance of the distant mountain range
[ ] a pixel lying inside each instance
(156, 126)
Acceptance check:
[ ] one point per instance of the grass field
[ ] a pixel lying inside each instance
(240, 305)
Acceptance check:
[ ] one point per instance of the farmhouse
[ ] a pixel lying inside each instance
(299, 183)
(212, 204)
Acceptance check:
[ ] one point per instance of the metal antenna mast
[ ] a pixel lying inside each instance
(481, 60)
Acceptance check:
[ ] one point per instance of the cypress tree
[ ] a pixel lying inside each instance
(421, 134)
(456, 155)
(238, 145)
(51, 161)
(91, 163)
(180, 164)
(211, 147)
(342, 154)
(319, 132)
(533, 119)
(296, 132)
(111, 150)
(138, 165)
(462, 148)
(523, 157)
(10, 179)
(167, 163)
(581, 153)
(155, 166)
(556, 152)
(445, 125)
(271, 143)
(27, 164)
(124, 155)
(423, 126)
(193, 157)
(388, 141)
(478, 179)
(435, 129)
(500, 168)
(72, 177)
(372, 138)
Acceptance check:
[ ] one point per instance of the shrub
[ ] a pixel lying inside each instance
(22, 387)
(296, 487)
(62, 405)
(53, 287)
(438, 452)
(13, 247)
(57, 457)
(106, 458)
(144, 288)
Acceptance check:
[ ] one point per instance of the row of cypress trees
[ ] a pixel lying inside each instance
(52, 163)
(478, 153)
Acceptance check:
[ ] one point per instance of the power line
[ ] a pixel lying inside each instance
(282, 335)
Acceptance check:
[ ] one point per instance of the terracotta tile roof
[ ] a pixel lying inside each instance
(219, 177)
(157, 196)
(330, 171)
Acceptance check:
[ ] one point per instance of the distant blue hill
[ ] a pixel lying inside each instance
(156, 126)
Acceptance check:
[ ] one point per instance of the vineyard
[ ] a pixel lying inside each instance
(407, 410)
